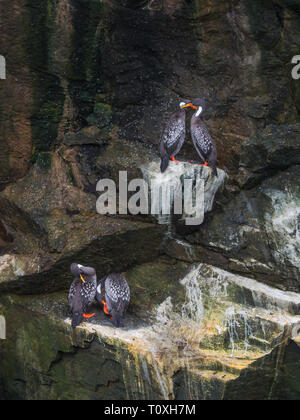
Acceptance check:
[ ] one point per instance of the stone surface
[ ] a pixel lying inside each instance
(211, 345)
(260, 231)
(51, 72)
(172, 182)
(275, 149)
(60, 225)
(235, 54)
(104, 243)
(72, 65)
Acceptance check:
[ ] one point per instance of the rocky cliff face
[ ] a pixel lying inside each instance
(210, 335)
(89, 87)
(71, 62)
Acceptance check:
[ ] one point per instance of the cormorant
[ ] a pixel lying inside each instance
(201, 138)
(114, 293)
(82, 292)
(173, 136)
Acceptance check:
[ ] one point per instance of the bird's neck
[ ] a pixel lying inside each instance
(196, 117)
(198, 113)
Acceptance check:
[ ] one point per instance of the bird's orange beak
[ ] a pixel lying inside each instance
(82, 279)
(190, 105)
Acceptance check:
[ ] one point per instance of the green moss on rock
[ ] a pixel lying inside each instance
(102, 116)
(83, 72)
(48, 95)
(44, 161)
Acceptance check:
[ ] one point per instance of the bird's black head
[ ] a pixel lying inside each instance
(199, 102)
(199, 105)
(75, 270)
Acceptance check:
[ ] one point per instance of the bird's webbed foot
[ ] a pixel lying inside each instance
(88, 316)
(174, 160)
(106, 311)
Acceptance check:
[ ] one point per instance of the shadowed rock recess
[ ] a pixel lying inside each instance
(215, 309)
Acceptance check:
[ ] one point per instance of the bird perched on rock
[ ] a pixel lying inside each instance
(114, 294)
(82, 292)
(173, 136)
(201, 138)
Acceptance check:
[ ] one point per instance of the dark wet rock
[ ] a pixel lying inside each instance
(18, 231)
(5, 237)
(259, 231)
(190, 252)
(234, 54)
(275, 149)
(73, 64)
(158, 357)
(281, 386)
(118, 155)
(60, 225)
(101, 116)
(98, 377)
(258, 382)
(152, 283)
(93, 154)
(102, 242)
(87, 136)
(23, 244)
(52, 55)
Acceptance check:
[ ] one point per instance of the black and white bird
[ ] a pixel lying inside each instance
(82, 292)
(114, 294)
(173, 136)
(201, 138)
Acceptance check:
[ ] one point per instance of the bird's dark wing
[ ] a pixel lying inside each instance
(202, 140)
(75, 302)
(162, 148)
(117, 292)
(212, 160)
(72, 294)
(199, 151)
(75, 298)
(172, 134)
(88, 293)
(89, 288)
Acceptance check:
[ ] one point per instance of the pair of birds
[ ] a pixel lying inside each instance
(112, 293)
(174, 136)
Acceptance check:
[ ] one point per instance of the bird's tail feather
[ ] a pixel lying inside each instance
(164, 163)
(117, 319)
(215, 171)
(76, 319)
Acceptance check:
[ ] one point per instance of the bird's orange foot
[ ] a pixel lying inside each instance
(174, 160)
(105, 307)
(88, 316)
